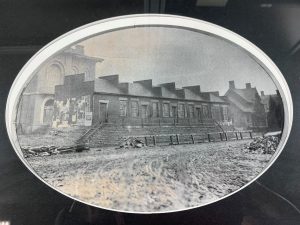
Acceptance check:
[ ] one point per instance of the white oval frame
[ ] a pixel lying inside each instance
(131, 21)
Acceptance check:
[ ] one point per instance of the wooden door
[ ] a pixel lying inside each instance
(48, 112)
(198, 112)
(103, 112)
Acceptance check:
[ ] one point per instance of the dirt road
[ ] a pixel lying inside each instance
(152, 179)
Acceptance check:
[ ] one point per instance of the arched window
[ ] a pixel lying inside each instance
(54, 75)
(75, 70)
(48, 112)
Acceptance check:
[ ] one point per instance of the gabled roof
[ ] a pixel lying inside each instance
(248, 94)
(246, 100)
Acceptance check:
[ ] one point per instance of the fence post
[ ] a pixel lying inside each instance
(250, 135)
(241, 135)
(221, 137)
(236, 135)
(142, 120)
(177, 139)
(208, 137)
(171, 139)
(226, 138)
(193, 140)
(146, 142)
(154, 140)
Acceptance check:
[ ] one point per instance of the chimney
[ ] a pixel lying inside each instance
(231, 84)
(262, 93)
(248, 85)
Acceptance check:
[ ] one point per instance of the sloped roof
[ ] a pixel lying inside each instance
(248, 94)
(212, 96)
(244, 107)
(111, 84)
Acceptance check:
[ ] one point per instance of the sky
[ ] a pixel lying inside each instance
(176, 55)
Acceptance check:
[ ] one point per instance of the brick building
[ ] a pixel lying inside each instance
(274, 109)
(35, 110)
(106, 100)
(246, 107)
(65, 92)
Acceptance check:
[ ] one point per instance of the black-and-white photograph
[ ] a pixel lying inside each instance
(150, 119)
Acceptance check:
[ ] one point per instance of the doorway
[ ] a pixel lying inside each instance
(103, 107)
(198, 114)
(48, 112)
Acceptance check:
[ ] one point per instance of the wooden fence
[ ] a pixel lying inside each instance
(177, 139)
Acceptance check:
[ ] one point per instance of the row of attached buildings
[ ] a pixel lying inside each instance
(66, 93)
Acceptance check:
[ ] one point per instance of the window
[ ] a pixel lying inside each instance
(216, 112)
(144, 111)
(191, 111)
(134, 109)
(166, 110)
(155, 109)
(205, 111)
(224, 113)
(173, 111)
(181, 110)
(123, 108)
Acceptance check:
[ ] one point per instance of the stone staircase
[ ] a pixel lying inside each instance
(113, 135)
(85, 138)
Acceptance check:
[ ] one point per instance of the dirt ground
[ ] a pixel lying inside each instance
(152, 179)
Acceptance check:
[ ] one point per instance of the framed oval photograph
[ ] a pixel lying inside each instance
(149, 113)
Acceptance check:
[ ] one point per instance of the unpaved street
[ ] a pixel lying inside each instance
(152, 179)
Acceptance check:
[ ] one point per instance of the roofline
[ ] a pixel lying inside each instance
(160, 97)
(238, 96)
(84, 56)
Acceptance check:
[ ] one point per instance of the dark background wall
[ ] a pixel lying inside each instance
(273, 25)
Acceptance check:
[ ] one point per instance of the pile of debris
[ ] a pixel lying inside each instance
(264, 145)
(30, 151)
(131, 143)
